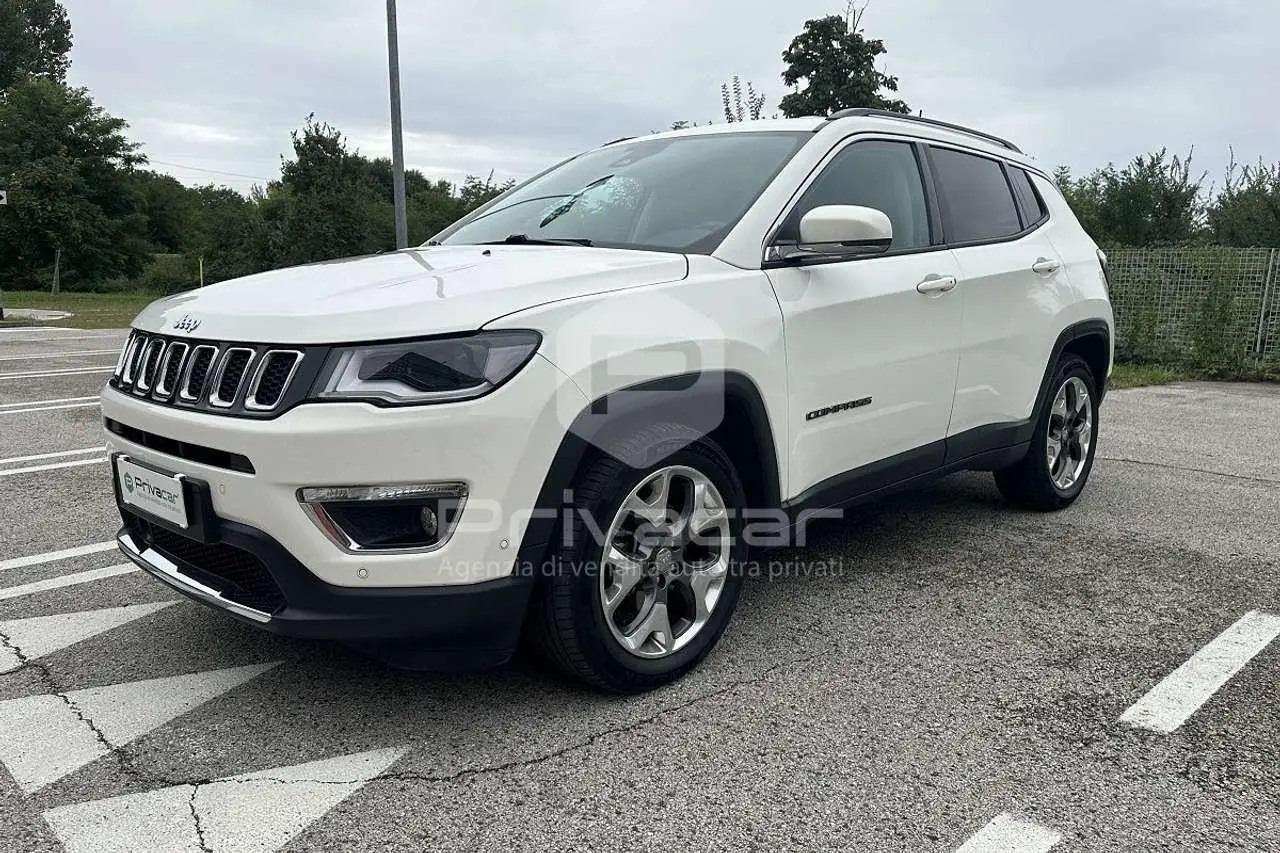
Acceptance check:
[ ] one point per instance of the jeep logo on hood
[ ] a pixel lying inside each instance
(187, 324)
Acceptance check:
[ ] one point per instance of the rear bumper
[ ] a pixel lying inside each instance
(436, 627)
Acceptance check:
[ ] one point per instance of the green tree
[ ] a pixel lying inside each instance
(1154, 200)
(170, 210)
(740, 105)
(1247, 211)
(35, 40)
(325, 204)
(836, 64)
(67, 165)
(475, 192)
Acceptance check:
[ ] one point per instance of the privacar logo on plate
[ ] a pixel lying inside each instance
(128, 483)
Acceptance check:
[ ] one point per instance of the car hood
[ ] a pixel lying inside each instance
(402, 294)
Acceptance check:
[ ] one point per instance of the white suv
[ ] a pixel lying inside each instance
(570, 414)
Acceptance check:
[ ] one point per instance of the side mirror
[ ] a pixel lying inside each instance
(840, 230)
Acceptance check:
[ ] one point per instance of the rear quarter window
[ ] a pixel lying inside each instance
(1033, 210)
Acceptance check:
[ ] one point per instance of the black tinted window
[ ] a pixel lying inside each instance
(975, 197)
(1033, 210)
(883, 175)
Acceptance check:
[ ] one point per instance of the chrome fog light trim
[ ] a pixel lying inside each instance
(314, 500)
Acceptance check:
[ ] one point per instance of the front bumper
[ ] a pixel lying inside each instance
(250, 576)
(501, 446)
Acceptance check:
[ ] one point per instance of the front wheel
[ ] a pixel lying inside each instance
(1057, 465)
(647, 579)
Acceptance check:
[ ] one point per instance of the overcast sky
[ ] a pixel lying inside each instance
(217, 85)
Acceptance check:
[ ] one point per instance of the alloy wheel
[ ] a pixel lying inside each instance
(666, 561)
(1070, 433)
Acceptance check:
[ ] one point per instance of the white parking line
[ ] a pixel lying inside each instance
(48, 409)
(29, 329)
(59, 338)
(59, 355)
(43, 456)
(261, 811)
(35, 469)
(39, 636)
(1171, 702)
(44, 738)
(59, 401)
(76, 579)
(55, 556)
(70, 371)
(1008, 834)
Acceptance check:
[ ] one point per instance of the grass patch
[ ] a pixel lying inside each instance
(90, 310)
(1138, 375)
(1129, 375)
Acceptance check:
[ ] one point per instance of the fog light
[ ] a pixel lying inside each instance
(411, 517)
(430, 524)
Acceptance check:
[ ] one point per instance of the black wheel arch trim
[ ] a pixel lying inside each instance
(699, 400)
(1076, 331)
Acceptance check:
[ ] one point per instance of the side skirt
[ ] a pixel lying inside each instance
(987, 448)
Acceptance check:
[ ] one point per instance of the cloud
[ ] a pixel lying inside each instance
(511, 86)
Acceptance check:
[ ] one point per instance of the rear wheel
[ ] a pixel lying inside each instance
(643, 600)
(1060, 458)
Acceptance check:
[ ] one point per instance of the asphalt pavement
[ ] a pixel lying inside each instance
(935, 673)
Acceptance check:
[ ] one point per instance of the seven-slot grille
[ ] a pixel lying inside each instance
(222, 377)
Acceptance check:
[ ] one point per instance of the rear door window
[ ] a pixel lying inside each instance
(977, 202)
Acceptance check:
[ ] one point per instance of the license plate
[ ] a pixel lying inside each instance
(152, 492)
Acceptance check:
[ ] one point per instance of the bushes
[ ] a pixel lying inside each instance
(165, 274)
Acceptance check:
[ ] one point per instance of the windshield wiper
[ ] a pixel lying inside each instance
(568, 203)
(526, 240)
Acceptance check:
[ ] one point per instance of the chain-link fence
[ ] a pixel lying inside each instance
(1208, 307)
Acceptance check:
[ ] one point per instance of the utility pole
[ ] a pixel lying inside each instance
(397, 129)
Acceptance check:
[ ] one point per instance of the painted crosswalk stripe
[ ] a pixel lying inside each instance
(44, 635)
(57, 556)
(53, 466)
(40, 457)
(1171, 702)
(44, 738)
(61, 581)
(1008, 834)
(260, 811)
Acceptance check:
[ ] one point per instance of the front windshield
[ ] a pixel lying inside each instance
(680, 194)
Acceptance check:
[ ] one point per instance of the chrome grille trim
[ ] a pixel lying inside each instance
(184, 384)
(251, 397)
(124, 354)
(129, 358)
(142, 382)
(178, 350)
(215, 386)
(269, 379)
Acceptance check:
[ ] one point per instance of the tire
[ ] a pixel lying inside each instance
(1035, 482)
(570, 625)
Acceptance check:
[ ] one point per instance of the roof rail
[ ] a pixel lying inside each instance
(616, 141)
(858, 112)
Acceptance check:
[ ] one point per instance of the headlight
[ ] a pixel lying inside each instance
(429, 371)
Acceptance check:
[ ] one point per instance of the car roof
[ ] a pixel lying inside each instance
(840, 127)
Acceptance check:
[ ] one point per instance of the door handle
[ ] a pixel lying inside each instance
(1045, 266)
(937, 284)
